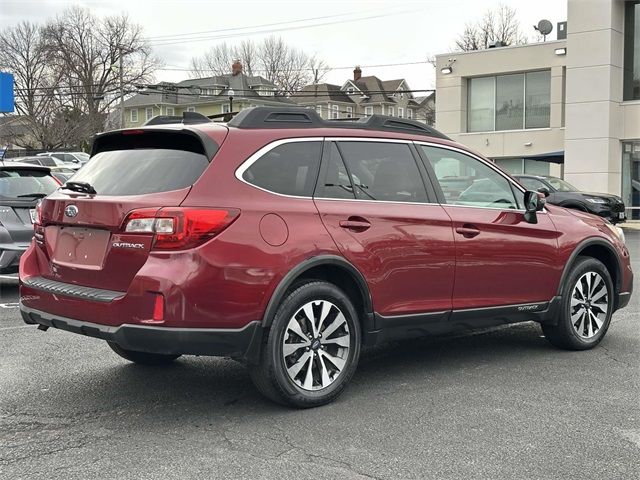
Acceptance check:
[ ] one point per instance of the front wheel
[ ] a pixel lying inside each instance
(586, 307)
(142, 358)
(312, 348)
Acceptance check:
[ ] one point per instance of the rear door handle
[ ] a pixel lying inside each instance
(468, 231)
(357, 224)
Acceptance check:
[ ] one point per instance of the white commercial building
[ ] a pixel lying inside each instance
(568, 107)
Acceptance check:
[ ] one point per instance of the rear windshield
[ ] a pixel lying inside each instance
(141, 171)
(23, 184)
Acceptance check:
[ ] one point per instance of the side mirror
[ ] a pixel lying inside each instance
(544, 191)
(533, 202)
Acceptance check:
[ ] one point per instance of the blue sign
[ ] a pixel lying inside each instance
(6, 93)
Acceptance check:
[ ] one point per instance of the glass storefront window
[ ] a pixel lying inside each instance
(538, 99)
(481, 108)
(632, 51)
(509, 102)
(631, 178)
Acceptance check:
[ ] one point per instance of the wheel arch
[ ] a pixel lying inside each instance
(601, 250)
(333, 269)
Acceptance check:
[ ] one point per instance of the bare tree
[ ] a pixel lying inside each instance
(500, 25)
(23, 52)
(217, 61)
(89, 51)
(288, 68)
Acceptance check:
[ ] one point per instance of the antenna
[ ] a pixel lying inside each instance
(544, 27)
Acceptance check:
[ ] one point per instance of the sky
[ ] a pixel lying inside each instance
(345, 33)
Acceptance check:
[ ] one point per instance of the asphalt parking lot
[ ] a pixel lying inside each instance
(497, 404)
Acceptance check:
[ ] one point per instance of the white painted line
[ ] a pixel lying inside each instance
(9, 305)
(15, 328)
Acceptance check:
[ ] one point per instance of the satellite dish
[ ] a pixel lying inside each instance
(544, 27)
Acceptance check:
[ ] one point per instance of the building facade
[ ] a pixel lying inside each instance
(363, 96)
(208, 96)
(569, 107)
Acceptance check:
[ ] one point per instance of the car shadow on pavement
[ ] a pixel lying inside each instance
(198, 387)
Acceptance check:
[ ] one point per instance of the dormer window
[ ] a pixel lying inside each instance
(350, 91)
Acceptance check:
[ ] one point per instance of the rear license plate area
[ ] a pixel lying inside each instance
(81, 247)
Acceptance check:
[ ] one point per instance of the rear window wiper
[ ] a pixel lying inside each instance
(34, 195)
(82, 187)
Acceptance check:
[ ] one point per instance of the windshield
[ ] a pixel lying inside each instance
(82, 156)
(19, 184)
(560, 185)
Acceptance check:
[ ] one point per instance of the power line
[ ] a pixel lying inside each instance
(283, 29)
(162, 37)
(421, 62)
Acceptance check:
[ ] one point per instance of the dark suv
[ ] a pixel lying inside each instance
(290, 242)
(561, 192)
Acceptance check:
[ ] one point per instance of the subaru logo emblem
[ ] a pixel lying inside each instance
(71, 211)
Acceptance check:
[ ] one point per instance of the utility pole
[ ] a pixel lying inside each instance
(121, 90)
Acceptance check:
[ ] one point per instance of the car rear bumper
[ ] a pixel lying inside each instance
(243, 343)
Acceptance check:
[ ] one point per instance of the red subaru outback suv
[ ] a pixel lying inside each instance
(290, 242)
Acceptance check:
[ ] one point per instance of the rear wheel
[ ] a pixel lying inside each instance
(142, 358)
(586, 307)
(312, 348)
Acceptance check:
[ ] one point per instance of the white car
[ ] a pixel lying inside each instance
(73, 160)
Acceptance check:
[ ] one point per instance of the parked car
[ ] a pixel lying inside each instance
(77, 159)
(564, 194)
(62, 174)
(45, 161)
(21, 187)
(290, 242)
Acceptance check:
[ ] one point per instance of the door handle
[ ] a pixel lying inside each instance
(468, 231)
(357, 224)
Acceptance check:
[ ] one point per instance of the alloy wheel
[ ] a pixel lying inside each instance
(316, 345)
(589, 305)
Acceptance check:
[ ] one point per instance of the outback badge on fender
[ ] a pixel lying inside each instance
(71, 211)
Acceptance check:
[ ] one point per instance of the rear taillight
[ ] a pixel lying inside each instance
(179, 228)
(37, 220)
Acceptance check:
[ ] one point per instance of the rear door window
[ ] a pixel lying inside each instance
(48, 161)
(288, 169)
(531, 183)
(142, 171)
(335, 181)
(383, 171)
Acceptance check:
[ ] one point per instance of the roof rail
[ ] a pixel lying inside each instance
(187, 118)
(302, 117)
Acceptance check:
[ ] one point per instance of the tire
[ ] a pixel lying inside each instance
(586, 307)
(298, 367)
(142, 358)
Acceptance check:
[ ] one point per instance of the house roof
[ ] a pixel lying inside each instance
(322, 92)
(422, 101)
(187, 91)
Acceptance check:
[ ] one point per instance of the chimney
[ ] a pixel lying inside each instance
(357, 73)
(236, 68)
